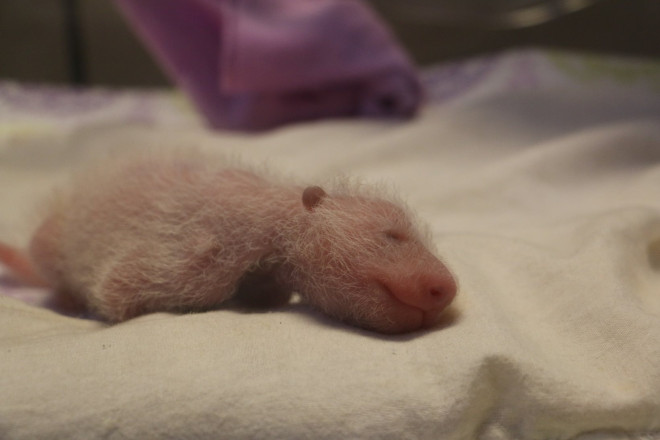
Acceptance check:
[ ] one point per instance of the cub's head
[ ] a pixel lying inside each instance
(360, 258)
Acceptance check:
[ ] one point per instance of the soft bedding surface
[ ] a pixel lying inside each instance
(539, 175)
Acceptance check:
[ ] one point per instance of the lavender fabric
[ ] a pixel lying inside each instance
(257, 64)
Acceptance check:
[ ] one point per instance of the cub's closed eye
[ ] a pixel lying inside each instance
(396, 236)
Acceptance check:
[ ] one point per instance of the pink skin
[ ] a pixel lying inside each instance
(185, 234)
(418, 303)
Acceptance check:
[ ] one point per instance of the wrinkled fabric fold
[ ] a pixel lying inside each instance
(537, 173)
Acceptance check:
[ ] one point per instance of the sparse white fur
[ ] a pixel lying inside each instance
(182, 230)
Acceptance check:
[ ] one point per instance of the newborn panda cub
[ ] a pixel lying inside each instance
(182, 231)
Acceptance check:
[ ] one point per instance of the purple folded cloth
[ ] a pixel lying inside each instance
(257, 64)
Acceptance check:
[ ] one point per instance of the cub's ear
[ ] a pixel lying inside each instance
(312, 196)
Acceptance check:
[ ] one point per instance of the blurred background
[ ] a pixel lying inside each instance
(88, 42)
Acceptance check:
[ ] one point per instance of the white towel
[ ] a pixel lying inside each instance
(539, 174)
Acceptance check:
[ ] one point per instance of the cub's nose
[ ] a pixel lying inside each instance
(429, 292)
(435, 292)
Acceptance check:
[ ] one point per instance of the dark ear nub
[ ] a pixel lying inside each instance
(312, 196)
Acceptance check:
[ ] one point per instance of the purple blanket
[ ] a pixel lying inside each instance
(257, 64)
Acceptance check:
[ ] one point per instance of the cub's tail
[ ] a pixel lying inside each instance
(20, 266)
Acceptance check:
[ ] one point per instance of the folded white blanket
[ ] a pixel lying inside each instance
(539, 174)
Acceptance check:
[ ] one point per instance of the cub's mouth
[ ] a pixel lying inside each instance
(421, 300)
(405, 317)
